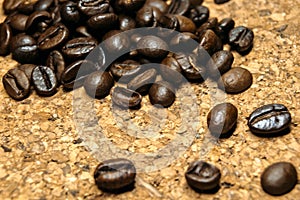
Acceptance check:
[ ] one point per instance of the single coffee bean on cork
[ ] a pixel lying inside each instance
(126, 98)
(162, 93)
(44, 80)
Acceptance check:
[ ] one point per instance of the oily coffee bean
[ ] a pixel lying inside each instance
(27, 69)
(55, 15)
(171, 71)
(236, 80)
(159, 4)
(79, 47)
(83, 31)
(104, 21)
(220, 1)
(211, 23)
(169, 22)
(241, 38)
(183, 42)
(152, 47)
(26, 7)
(70, 13)
(199, 15)
(142, 82)
(93, 7)
(126, 98)
(125, 71)
(114, 174)
(44, 80)
(41, 5)
(185, 24)
(38, 22)
(74, 75)
(202, 176)
(17, 21)
(98, 84)
(126, 22)
(24, 49)
(179, 7)
(5, 38)
(118, 43)
(222, 118)
(16, 84)
(279, 178)
(224, 26)
(53, 37)
(56, 62)
(148, 17)
(210, 42)
(128, 6)
(221, 62)
(162, 93)
(10, 6)
(269, 119)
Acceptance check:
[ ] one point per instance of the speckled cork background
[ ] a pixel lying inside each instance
(42, 155)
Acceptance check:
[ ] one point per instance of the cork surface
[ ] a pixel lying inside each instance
(43, 153)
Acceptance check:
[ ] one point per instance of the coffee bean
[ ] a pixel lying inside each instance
(26, 7)
(27, 69)
(142, 82)
(70, 13)
(93, 7)
(148, 16)
(118, 43)
(83, 31)
(16, 84)
(224, 27)
(10, 6)
(98, 84)
(128, 6)
(201, 175)
(236, 80)
(199, 15)
(162, 93)
(53, 37)
(106, 21)
(44, 80)
(185, 24)
(152, 47)
(222, 119)
(210, 42)
(211, 23)
(56, 62)
(241, 39)
(125, 71)
(159, 4)
(179, 7)
(126, 22)
(55, 15)
(17, 21)
(171, 71)
(126, 98)
(38, 22)
(5, 38)
(43, 5)
(169, 22)
(114, 174)
(221, 62)
(220, 1)
(79, 47)
(279, 178)
(269, 119)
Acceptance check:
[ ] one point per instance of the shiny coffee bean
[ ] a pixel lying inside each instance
(79, 47)
(104, 21)
(26, 7)
(114, 174)
(169, 22)
(75, 74)
(211, 23)
(236, 80)
(10, 6)
(152, 47)
(41, 5)
(128, 6)
(83, 31)
(55, 15)
(162, 93)
(125, 71)
(56, 62)
(148, 17)
(220, 1)
(118, 43)
(185, 24)
(202, 176)
(126, 22)
(224, 27)
(53, 37)
(44, 80)
(221, 62)
(38, 22)
(184, 42)
(142, 82)
(70, 13)
(93, 7)
(210, 42)
(221, 119)
(279, 178)
(126, 98)
(98, 84)
(241, 39)
(24, 49)
(16, 84)
(171, 71)
(179, 7)
(27, 69)
(5, 38)
(159, 4)
(269, 119)
(199, 15)
(17, 21)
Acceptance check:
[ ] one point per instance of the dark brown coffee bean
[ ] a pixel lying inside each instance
(128, 6)
(16, 84)
(236, 80)
(38, 22)
(5, 38)
(210, 42)
(241, 38)
(70, 13)
(79, 47)
(152, 47)
(93, 7)
(118, 43)
(202, 176)
(17, 21)
(143, 81)
(44, 80)
(126, 98)
(279, 178)
(10, 6)
(125, 71)
(159, 4)
(211, 23)
(199, 15)
(162, 93)
(26, 7)
(185, 24)
(183, 42)
(269, 119)
(171, 71)
(83, 31)
(98, 84)
(56, 62)
(225, 25)
(179, 7)
(126, 22)
(148, 17)
(221, 62)
(27, 69)
(221, 119)
(169, 22)
(114, 174)
(55, 15)
(220, 1)
(53, 37)
(104, 21)
(41, 5)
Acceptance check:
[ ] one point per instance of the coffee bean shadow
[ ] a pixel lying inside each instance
(225, 135)
(211, 191)
(273, 135)
(127, 188)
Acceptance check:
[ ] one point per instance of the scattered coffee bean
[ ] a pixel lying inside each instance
(199, 15)
(5, 38)
(162, 93)
(279, 178)
(241, 38)
(171, 71)
(152, 47)
(126, 98)
(125, 71)
(78, 48)
(44, 80)
(143, 81)
(56, 62)
(210, 42)
(221, 62)
(27, 69)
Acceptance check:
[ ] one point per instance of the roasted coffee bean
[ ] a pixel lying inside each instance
(185, 24)
(125, 71)
(202, 176)
(126, 22)
(27, 69)
(162, 93)
(10, 6)
(106, 21)
(211, 24)
(169, 22)
(53, 37)
(128, 6)
(118, 43)
(70, 13)
(179, 7)
(196, 2)
(55, 15)
(222, 119)
(26, 7)
(269, 119)
(74, 75)
(5, 38)
(56, 62)
(83, 31)
(79, 47)
(114, 174)
(148, 17)
(224, 26)
(16, 84)
(210, 42)
(220, 1)
(17, 21)
(41, 5)
(98, 84)
(199, 15)
(171, 71)
(159, 4)
(241, 39)
(152, 47)
(143, 81)
(221, 62)
(93, 7)
(184, 42)
(44, 80)
(24, 49)
(279, 178)
(236, 80)
(126, 98)
(38, 22)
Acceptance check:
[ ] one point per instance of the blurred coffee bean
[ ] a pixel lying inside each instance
(128, 6)
(126, 22)
(210, 42)
(105, 22)
(179, 7)
(241, 39)
(79, 47)
(126, 98)
(171, 71)
(199, 15)
(93, 7)
(56, 62)
(148, 16)
(44, 80)
(184, 42)
(142, 82)
(5, 38)
(126, 70)
(70, 13)
(55, 15)
(27, 69)
(38, 22)
(162, 93)
(17, 21)
(119, 42)
(16, 84)
(220, 63)
(10, 6)
(152, 47)
(41, 5)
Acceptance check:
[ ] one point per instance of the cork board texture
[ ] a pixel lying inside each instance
(43, 155)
